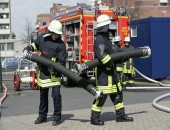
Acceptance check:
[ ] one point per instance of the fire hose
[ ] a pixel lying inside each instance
(154, 103)
(65, 71)
(78, 79)
(3, 97)
(121, 56)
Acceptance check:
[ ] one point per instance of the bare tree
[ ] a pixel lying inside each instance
(135, 11)
(13, 35)
(28, 29)
(133, 7)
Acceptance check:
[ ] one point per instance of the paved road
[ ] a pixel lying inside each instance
(74, 98)
(20, 109)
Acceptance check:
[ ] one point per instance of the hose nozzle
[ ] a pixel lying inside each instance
(27, 55)
(96, 93)
(78, 68)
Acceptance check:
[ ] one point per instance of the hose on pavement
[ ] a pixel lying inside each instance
(154, 103)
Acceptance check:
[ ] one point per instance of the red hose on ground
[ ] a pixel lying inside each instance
(3, 97)
(4, 93)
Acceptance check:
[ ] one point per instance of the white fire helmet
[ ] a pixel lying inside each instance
(117, 39)
(103, 20)
(55, 26)
(127, 39)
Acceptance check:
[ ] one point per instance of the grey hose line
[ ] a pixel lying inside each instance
(156, 105)
(3, 97)
(151, 80)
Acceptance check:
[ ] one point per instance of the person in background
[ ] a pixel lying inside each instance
(128, 70)
(117, 48)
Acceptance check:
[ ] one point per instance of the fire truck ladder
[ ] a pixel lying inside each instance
(90, 44)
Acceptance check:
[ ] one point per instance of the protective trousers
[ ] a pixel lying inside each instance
(128, 79)
(119, 75)
(116, 98)
(43, 107)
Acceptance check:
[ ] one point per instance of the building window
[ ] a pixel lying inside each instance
(44, 23)
(4, 16)
(4, 26)
(3, 5)
(10, 46)
(2, 46)
(133, 31)
(163, 2)
(5, 36)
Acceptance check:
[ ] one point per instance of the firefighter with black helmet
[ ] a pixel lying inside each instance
(106, 76)
(128, 70)
(52, 47)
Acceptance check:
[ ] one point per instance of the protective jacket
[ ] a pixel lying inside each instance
(50, 49)
(105, 74)
(128, 65)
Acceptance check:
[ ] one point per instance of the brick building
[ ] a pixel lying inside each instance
(143, 8)
(44, 19)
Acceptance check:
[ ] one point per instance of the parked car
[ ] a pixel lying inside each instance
(6, 61)
(13, 64)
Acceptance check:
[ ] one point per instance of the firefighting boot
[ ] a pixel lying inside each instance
(56, 122)
(40, 120)
(95, 118)
(124, 118)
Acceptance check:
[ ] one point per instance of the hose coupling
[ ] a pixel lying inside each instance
(146, 51)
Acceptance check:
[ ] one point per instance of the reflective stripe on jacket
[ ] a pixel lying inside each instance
(128, 65)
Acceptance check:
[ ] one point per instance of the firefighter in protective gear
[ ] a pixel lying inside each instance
(106, 77)
(117, 48)
(128, 70)
(52, 47)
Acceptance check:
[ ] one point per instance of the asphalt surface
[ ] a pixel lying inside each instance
(76, 106)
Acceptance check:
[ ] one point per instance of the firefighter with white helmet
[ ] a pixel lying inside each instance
(117, 42)
(55, 27)
(128, 70)
(117, 48)
(52, 47)
(127, 40)
(106, 77)
(117, 39)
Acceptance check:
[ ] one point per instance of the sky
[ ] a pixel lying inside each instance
(29, 9)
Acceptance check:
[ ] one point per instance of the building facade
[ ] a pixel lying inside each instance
(42, 19)
(5, 19)
(8, 47)
(11, 48)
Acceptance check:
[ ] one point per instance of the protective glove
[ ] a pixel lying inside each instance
(28, 48)
(52, 70)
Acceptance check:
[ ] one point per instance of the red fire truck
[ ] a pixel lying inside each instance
(79, 27)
